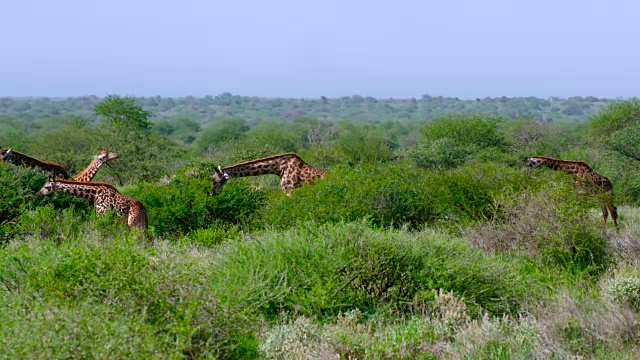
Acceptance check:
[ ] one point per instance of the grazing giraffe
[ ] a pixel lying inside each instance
(87, 174)
(594, 182)
(20, 159)
(104, 196)
(291, 169)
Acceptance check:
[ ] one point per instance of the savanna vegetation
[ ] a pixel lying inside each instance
(427, 238)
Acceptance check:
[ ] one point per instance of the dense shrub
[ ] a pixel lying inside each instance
(18, 187)
(553, 225)
(617, 127)
(321, 270)
(219, 133)
(82, 297)
(449, 141)
(182, 204)
(72, 146)
(361, 145)
(531, 137)
(623, 286)
(398, 194)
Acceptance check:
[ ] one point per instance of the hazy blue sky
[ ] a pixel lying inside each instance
(297, 48)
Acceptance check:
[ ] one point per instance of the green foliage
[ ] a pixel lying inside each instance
(480, 132)
(215, 234)
(624, 286)
(350, 336)
(181, 130)
(616, 116)
(325, 270)
(122, 113)
(183, 204)
(618, 127)
(626, 142)
(18, 187)
(356, 108)
(450, 141)
(531, 137)
(218, 134)
(72, 146)
(458, 257)
(440, 153)
(83, 298)
(264, 139)
(14, 133)
(397, 194)
(626, 290)
(552, 224)
(361, 145)
(124, 129)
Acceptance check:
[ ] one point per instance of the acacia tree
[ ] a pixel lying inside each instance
(125, 129)
(123, 113)
(617, 127)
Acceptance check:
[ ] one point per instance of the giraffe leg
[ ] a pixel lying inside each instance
(287, 183)
(614, 214)
(287, 188)
(605, 213)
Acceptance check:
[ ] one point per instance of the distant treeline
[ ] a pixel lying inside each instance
(354, 108)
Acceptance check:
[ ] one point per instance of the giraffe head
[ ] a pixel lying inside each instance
(219, 179)
(105, 156)
(6, 154)
(533, 161)
(48, 187)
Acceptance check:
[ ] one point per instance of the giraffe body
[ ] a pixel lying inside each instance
(291, 169)
(20, 159)
(105, 197)
(87, 174)
(594, 182)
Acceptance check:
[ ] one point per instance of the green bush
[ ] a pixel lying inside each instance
(18, 187)
(624, 286)
(82, 297)
(552, 224)
(617, 127)
(450, 141)
(531, 137)
(362, 145)
(183, 205)
(321, 270)
(397, 194)
(215, 234)
(220, 133)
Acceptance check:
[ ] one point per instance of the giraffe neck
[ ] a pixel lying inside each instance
(581, 170)
(87, 174)
(273, 166)
(570, 167)
(80, 190)
(20, 159)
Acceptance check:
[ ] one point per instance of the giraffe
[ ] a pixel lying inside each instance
(20, 159)
(291, 169)
(596, 183)
(105, 197)
(87, 174)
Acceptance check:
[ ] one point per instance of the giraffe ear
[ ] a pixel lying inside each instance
(219, 169)
(226, 176)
